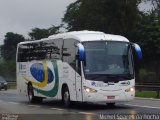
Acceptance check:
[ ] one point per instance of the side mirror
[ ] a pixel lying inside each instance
(138, 51)
(81, 52)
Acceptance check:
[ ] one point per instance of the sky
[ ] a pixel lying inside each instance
(20, 16)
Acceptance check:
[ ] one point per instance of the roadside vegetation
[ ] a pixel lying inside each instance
(121, 17)
(147, 94)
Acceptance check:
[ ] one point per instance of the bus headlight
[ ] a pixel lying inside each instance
(87, 89)
(132, 89)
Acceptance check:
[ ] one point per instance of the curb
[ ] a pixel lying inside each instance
(153, 99)
(10, 91)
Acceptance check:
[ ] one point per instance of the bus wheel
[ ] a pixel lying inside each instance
(66, 97)
(31, 96)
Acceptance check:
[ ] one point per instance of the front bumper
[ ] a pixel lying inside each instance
(3, 86)
(103, 97)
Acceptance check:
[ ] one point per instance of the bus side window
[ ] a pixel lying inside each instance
(23, 53)
(54, 49)
(69, 52)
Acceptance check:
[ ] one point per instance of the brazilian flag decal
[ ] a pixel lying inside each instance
(44, 76)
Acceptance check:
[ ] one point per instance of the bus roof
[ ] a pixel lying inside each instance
(89, 36)
(83, 36)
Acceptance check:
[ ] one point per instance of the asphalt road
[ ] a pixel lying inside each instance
(16, 106)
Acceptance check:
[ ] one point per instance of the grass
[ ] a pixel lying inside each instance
(13, 86)
(146, 94)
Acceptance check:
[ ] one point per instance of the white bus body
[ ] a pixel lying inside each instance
(85, 66)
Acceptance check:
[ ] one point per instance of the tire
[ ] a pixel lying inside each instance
(110, 104)
(66, 97)
(31, 97)
(5, 88)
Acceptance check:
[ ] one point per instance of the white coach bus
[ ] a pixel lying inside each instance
(84, 66)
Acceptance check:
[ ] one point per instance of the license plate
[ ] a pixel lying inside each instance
(110, 97)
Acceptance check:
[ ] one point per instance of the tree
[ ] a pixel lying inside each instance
(8, 50)
(156, 8)
(148, 36)
(8, 53)
(37, 33)
(109, 16)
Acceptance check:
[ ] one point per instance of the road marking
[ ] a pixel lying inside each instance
(86, 113)
(63, 110)
(57, 109)
(34, 106)
(14, 103)
(143, 106)
(153, 99)
(4, 102)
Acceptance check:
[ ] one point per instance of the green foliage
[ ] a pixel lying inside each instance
(110, 16)
(143, 74)
(37, 33)
(148, 36)
(8, 53)
(146, 94)
(8, 70)
(156, 7)
(8, 50)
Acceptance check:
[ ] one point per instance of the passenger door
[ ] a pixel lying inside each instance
(69, 69)
(78, 79)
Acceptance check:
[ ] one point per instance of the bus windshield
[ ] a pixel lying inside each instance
(108, 61)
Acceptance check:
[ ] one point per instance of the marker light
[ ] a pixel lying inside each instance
(87, 89)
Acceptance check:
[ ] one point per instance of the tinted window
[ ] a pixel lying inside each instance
(50, 49)
(69, 52)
